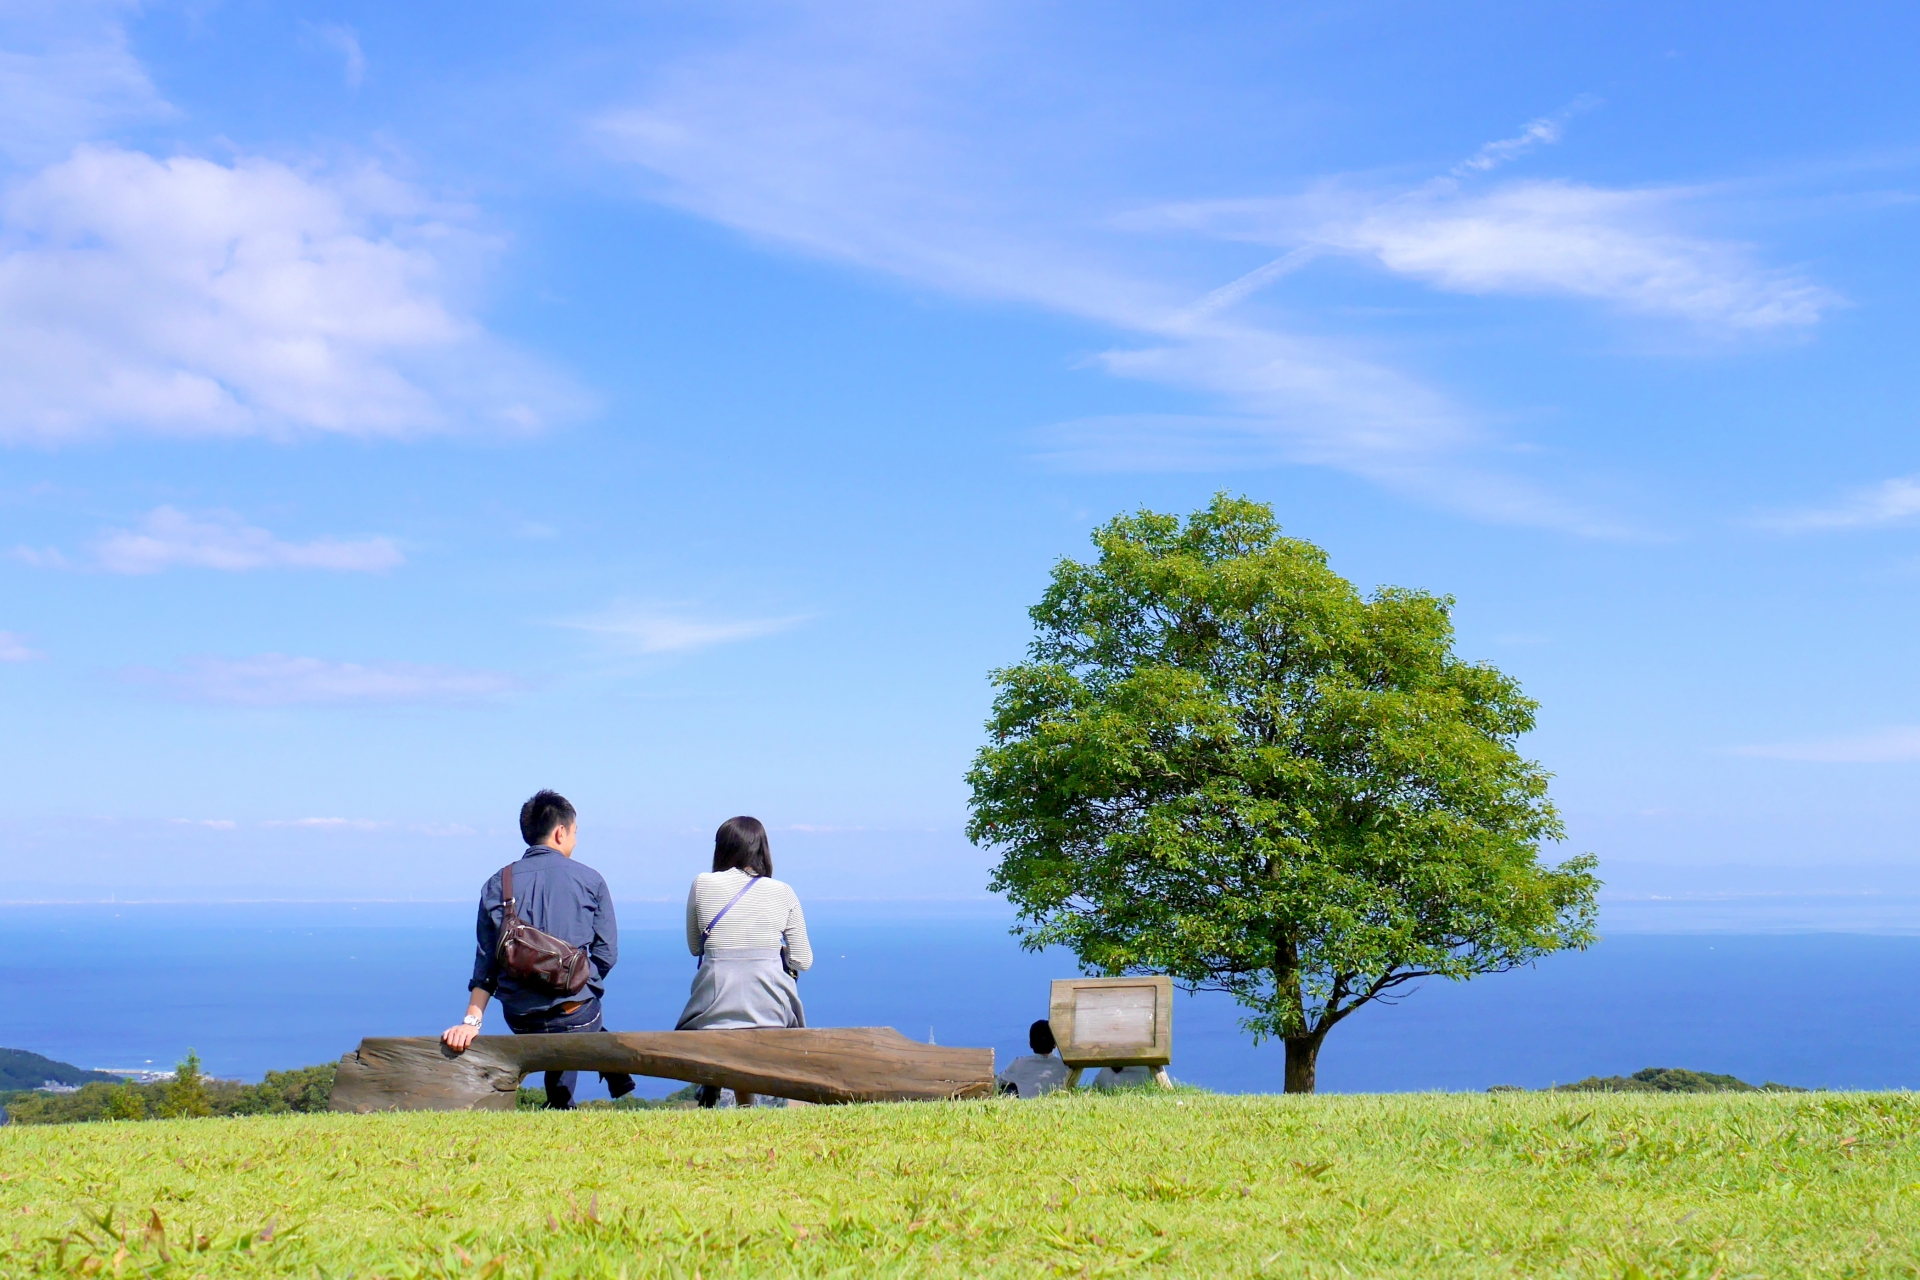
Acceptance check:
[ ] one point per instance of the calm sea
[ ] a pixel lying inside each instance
(256, 987)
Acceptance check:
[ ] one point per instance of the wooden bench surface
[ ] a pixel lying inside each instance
(809, 1064)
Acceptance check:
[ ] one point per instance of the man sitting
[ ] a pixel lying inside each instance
(561, 897)
(1038, 1072)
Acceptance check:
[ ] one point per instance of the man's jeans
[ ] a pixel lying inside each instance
(561, 1084)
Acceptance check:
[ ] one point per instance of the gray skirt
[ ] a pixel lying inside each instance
(742, 987)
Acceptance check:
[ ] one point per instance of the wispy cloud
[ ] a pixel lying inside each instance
(1159, 442)
(1622, 247)
(859, 134)
(345, 41)
(1883, 746)
(651, 629)
(277, 680)
(168, 539)
(1542, 132)
(435, 829)
(14, 648)
(1895, 501)
(1494, 154)
(328, 824)
(66, 73)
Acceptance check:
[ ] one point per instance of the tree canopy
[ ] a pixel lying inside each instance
(1223, 763)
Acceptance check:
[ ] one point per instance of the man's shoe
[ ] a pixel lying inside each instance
(559, 1100)
(708, 1096)
(619, 1086)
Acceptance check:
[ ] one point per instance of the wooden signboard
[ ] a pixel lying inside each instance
(1113, 1022)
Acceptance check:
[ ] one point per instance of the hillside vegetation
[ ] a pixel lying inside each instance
(1623, 1184)
(1672, 1080)
(20, 1069)
(189, 1094)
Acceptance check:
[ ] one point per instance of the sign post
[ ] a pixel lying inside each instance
(1113, 1022)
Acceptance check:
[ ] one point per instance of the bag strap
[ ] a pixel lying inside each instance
(708, 931)
(507, 903)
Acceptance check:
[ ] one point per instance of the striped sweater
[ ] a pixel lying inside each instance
(769, 916)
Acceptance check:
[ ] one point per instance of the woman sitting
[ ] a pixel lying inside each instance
(747, 929)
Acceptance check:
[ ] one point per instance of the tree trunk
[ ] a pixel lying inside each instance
(1304, 1048)
(1303, 1052)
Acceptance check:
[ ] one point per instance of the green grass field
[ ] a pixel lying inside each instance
(1628, 1185)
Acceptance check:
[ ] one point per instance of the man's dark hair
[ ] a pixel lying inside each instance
(1040, 1037)
(742, 843)
(543, 814)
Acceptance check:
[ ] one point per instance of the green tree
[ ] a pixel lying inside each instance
(186, 1093)
(1223, 763)
(126, 1104)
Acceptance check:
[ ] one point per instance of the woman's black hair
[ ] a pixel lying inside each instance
(742, 843)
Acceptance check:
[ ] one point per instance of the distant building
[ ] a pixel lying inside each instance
(54, 1086)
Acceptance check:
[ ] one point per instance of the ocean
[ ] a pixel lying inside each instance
(254, 987)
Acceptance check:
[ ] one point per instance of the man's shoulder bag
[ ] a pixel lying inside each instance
(534, 958)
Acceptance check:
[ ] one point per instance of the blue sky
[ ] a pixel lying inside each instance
(409, 406)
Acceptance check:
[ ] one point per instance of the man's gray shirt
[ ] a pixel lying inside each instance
(556, 895)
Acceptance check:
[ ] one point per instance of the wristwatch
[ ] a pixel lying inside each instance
(471, 1021)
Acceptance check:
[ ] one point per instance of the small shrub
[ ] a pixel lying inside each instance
(126, 1104)
(185, 1095)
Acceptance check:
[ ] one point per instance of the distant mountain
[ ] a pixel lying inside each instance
(22, 1070)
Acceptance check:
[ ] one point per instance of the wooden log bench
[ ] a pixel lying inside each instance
(821, 1065)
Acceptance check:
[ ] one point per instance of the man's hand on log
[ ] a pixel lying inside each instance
(458, 1038)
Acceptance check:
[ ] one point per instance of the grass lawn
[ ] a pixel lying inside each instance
(1177, 1184)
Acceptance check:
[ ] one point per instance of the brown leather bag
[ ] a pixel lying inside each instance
(533, 958)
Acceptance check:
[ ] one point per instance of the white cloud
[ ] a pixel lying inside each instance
(655, 630)
(13, 648)
(1885, 746)
(274, 680)
(1625, 248)
(1893, 501)
(184, 297)
(218, 824)
(221, 540)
